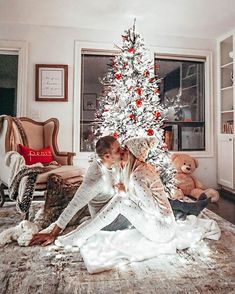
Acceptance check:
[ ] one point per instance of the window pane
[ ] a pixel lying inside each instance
(94, 66)
(192, 138)
(182, 92)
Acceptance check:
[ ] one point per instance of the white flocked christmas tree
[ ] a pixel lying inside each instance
(130, 105)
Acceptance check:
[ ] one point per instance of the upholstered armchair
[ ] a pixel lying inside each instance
(35, 135)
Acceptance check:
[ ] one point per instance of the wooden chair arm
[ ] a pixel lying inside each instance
(64, 158)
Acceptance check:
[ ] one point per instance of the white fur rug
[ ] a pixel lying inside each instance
(106, 250)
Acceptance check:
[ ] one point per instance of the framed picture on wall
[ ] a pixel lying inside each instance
(51, 82)
(89, 101)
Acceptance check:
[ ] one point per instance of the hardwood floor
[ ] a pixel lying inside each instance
(225, 207)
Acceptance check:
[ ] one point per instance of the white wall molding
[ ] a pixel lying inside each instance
(21, 49)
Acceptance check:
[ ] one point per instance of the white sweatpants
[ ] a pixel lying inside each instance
(157, 230)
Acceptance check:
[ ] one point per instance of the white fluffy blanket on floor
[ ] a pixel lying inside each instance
(105, 250)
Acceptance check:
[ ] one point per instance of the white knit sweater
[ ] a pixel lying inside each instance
(147, 190)
(96, 190)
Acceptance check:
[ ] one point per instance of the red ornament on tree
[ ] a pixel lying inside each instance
(146, 73)
(157, 114)
(131, 50)
(157, 91)
(156, 67)
(138, 91)
(138, 102)
(124, 65)
(131, 116)
(150, 132)
(118, 76)
(151, 80)
(115, 135)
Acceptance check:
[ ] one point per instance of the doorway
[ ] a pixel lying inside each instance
(8, 83)
(17, 51)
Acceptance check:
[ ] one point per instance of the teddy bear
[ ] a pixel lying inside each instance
(187, 184)
(22, 233)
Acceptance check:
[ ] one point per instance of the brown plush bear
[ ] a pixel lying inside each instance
(186, 183)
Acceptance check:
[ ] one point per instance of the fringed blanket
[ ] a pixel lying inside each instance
(22, 180)
(22, 187)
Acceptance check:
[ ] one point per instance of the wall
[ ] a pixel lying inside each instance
(56, 45)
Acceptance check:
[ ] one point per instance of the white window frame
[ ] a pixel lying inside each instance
(193, 54)
(187, 53)
(19, 48)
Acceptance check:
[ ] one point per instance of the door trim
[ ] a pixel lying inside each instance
(21, 49)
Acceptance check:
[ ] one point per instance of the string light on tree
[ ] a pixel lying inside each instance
(130, 104)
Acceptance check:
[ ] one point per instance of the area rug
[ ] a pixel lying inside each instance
(209, 268)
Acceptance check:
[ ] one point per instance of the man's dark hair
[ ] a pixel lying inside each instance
(103, 145)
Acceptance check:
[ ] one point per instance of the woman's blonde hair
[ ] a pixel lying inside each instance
(131, 165)
(139, 148)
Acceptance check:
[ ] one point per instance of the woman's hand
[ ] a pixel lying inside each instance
(120, 187)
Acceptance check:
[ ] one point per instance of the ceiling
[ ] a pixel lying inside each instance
(189, 18)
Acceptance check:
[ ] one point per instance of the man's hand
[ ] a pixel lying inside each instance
(42, 239)
(120, 187)
(45, 239)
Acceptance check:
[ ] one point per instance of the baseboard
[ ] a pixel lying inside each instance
(226, 194)
(232, 191)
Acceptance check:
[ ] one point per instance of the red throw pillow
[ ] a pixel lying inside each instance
(32, 156)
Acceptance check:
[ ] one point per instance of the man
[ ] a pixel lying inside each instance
(96, 190)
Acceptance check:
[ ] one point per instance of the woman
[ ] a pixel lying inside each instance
(144, 203)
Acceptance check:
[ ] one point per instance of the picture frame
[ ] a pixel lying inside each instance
(51, 82)
(89, 101)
